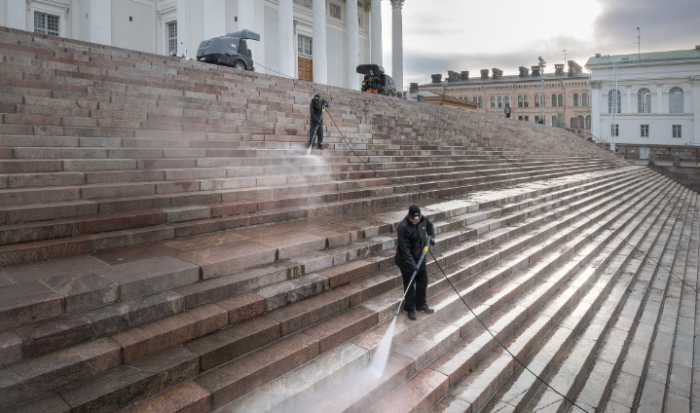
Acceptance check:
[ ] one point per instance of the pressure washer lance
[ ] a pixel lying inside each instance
(420, 261)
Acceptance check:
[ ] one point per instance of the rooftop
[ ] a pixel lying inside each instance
(692, 54)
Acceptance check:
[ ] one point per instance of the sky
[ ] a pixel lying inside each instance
(442, 35)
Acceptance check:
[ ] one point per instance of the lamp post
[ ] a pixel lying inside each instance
(542, 65)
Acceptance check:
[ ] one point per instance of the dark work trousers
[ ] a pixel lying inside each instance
(415, 297)
(317, 128)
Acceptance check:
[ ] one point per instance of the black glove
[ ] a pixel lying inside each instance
(414, 267)
(432, 241)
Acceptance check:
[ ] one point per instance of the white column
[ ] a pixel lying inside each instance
(696, 109)
(352, 49)
(320, 56)
(595, 110)
(17, 14)
(397, 43)
(659, 99)
(101, 22)
(285, 17)
(214, 18)
(183, 25)
(376, 34)
(246, 14)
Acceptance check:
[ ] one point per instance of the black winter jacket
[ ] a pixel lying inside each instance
(316, 109)
(410, 242)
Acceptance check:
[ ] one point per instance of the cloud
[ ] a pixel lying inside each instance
(665, 25)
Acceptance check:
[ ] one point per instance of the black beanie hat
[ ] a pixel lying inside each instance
(414, 211)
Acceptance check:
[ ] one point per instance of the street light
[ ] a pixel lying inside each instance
(542, 65)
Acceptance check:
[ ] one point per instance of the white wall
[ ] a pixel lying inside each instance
(335, 48)
(272, 50)
(136, 34)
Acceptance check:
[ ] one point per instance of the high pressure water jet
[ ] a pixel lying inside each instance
(381, 355)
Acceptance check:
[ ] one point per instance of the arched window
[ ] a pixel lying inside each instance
(644, 101)
(493, 101)
(475, 100)
(554, 101)
(500, 101)
(520, 101)
(481, 102)
(675, 100)
(537, 101)
(614, 101)
(527, 101)
(520, 118)
(507, 100)
(575, 99)
(584, 99)
(560, 101)
(588, 122)
(555, 120)
(527, 119)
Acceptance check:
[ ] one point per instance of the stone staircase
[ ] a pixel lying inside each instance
(167, 245)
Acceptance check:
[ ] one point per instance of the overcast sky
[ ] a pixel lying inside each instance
(442, 35)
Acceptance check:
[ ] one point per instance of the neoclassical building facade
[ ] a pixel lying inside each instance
(646, 99)
(561, 98)
(318, 40)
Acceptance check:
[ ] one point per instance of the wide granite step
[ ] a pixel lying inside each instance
(134, 347)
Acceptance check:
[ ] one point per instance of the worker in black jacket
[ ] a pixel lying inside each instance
(316, 110)
(414, 233)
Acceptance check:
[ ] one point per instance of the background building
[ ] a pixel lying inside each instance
(646, 99)
(348, 30)
(562, 98)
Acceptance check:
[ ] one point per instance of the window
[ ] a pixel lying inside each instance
(520, 118)
(614, 101)
(493, 101)
(560, 101)
(46, 24)
(675, 103)
(614, 129)
(475, 100)
(644, 101)
(584, 99)
(677, 131)
(481, 102)
(644, 131)
(555, 120)
(500, 101)
(588, 122)
(172, 38)
(554, 101)
(575, 99)
(538, 119)
(527, 101)
(527, 118)
(304, 46)
(520, 101)
(507, 100)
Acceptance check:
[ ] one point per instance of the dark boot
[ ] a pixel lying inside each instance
(319, 146)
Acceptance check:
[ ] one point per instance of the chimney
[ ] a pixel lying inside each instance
(697, 47)
(524, 71)
(452, 76)
(535, 70)
(559, 69)
(484, 73)
(464, 75)
(497, 73)
(598, 55)
(574, 68)
(437, 78)
(413, 88)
